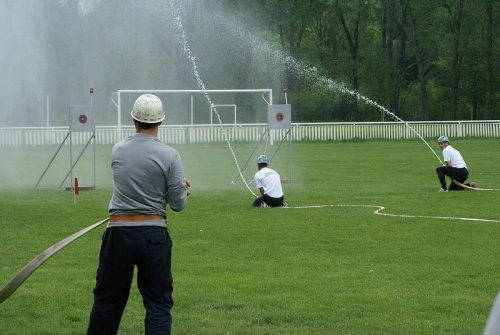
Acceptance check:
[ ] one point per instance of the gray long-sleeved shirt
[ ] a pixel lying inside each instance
(147, 174)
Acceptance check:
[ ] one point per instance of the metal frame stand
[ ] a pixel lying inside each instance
(267, 132)
(72, 165)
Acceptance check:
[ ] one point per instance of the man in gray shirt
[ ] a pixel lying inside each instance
(147, 175)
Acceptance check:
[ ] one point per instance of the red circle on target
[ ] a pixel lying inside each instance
(280, 117)
(82, 119)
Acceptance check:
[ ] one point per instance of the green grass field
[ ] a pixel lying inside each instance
(243, 270)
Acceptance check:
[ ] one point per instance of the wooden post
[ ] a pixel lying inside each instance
(75, 199)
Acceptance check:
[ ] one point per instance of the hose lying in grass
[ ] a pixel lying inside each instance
(473, 188)
(379, 210)
(22, 275)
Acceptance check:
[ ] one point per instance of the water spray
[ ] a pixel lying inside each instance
(293, 64)
(264, 48)
(264, 98)
(181, 35)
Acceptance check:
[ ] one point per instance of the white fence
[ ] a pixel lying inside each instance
(43, 136)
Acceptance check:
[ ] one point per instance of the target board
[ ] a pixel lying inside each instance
(81, 118)
(279, 116)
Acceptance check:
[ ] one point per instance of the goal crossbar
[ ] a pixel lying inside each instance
(119, 92)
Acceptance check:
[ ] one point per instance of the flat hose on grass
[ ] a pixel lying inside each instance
(473, 188)
(22, 275)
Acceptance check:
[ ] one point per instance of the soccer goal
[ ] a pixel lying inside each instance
(209, 95)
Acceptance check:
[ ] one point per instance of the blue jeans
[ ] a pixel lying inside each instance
(150, 249)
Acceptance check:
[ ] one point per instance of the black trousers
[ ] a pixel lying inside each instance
(459, 175)
(273, 202)
(123, 248)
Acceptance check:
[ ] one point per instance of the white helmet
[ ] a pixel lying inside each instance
(148, 109)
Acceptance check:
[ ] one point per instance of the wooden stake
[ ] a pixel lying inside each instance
(75, 198)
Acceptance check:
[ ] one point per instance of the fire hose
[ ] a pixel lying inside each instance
(472, 188)
(22, 275)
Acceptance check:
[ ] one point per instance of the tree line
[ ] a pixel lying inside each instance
(420, 60)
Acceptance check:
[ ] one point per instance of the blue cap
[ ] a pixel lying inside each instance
(263, 160)
(443, 139)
